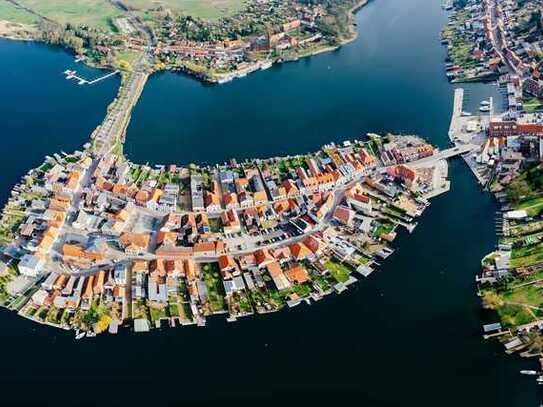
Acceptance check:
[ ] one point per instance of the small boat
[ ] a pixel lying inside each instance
(224, 80)
(485, 103)
(484, 109)
(466, 114)
(528, 372)
(266, 65)
(79, 334)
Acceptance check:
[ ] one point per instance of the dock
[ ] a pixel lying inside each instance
(465, 130)
(458, 103)
(82, 81)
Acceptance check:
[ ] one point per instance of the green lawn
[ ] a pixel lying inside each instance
(516, 301)
(529, 294)
(94, 13)
(173, 310)
(532, 104)
(321, 281)
(157, 313)
(383, 229)
(214, 286)
(526, 250)
(339, 271)
(514, 315)
(207, 9)
(537, 257)
(303, 290)
(10, 12)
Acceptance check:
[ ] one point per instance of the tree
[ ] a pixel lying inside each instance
(491, 300)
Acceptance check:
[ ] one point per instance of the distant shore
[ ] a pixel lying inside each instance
(354, 32)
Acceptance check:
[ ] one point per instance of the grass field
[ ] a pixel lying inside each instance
(100, 13)
(94, 13)
(9, 12)
(339, 271)
(208, 9)
(532, 104)
(212, 279)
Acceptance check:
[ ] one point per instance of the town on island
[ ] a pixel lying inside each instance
(93, 242)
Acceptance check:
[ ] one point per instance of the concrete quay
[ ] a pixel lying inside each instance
(468, 130)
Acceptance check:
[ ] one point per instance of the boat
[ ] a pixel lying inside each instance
(484, 109)
(224, 80)
(266, 65)
(79, 334)
(466, 114)
(485, 103)
(528, 372)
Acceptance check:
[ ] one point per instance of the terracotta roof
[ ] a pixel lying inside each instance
(263, 256)
(300, 251)
(274, 269)
(204, 247)
(297, 274)
(137, 239)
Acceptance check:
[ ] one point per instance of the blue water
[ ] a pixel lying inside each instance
(391, 79)
(40, 111)
(410, 335)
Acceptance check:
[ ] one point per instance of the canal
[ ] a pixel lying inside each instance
(410, 335)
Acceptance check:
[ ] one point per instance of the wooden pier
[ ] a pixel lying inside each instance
(82, 81)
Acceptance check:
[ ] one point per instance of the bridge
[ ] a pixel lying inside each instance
(444, 154)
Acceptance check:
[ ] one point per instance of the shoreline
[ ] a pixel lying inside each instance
(322, 266)
(352, 12)
(219, 79)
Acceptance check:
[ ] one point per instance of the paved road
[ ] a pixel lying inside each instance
(112, 129)
(444, 154)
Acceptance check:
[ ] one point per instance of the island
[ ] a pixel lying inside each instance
(93, 242)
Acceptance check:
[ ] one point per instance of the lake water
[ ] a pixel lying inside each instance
(410, 335)
(40, 111)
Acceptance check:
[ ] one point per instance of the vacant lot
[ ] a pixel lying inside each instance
(208, 9)
(94, 13)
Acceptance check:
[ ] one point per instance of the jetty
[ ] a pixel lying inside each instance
(455, 127)
(82, 81)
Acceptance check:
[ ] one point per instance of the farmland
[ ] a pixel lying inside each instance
(207, 9)
(101, 13)
(10, 12)
(94, 13)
